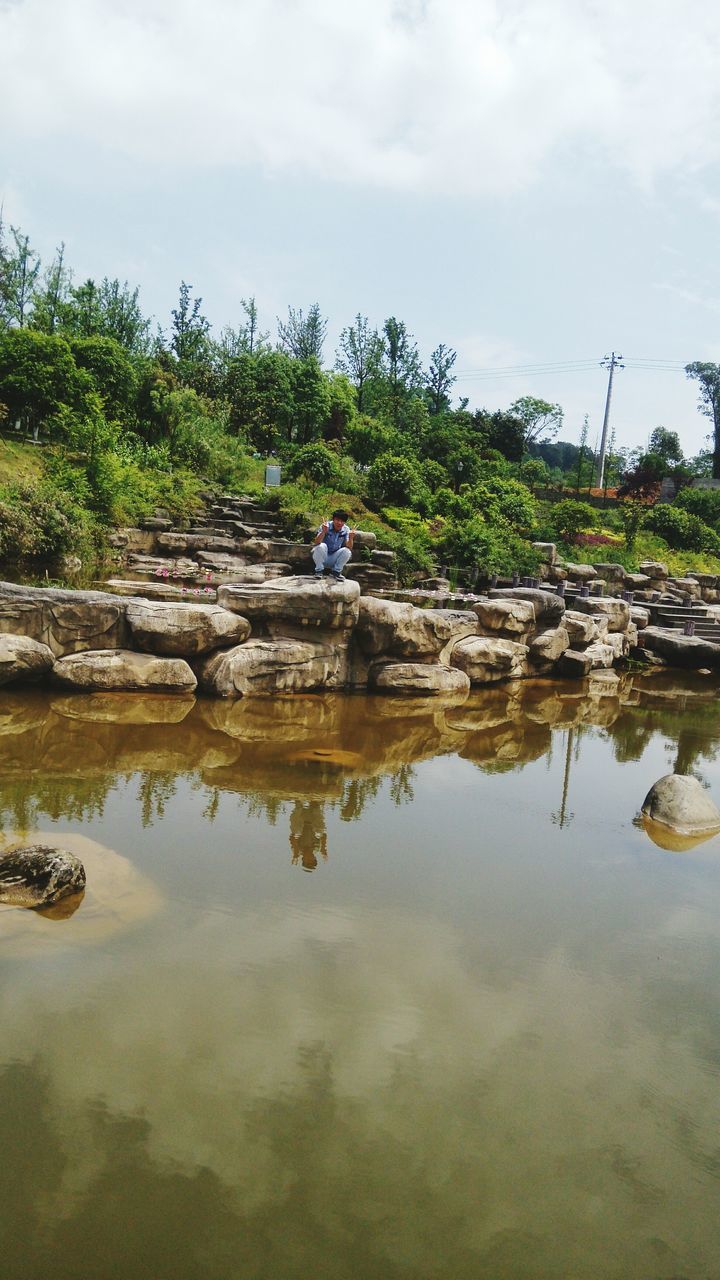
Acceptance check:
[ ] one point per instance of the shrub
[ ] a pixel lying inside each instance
(503, 499)
(569, 517)
(681, 530)
(392, 478)
(490, 548)
(703, 503)
(315, 461)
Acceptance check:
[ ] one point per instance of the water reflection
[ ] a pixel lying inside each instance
(297, 758)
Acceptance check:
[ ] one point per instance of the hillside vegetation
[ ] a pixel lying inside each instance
(103, 421)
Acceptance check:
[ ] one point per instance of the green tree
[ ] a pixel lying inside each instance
(440, 378)
(303, 336)
(39, 378)
(569, 517)
(401, 368)
(112, 373)
(311, 400)
(537, 417)
(708, 378)
(19, 270)
(189, 333)
(359, 356)
(666, 445)
(51, 299)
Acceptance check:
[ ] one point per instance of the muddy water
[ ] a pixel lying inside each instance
(362, 988)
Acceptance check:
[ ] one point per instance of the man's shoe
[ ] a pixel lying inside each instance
(318, 573)
(338, 576)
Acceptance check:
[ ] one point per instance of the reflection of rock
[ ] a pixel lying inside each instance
(23, 659)
(115, 708)
(184, 630)
(117, 897)
(666, 838)
(681, 802)
(38, 875)
(121, 669)
(284, 719)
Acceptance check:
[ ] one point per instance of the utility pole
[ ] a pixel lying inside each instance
(611, 362)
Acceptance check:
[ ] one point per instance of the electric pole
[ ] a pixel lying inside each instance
(611, 362)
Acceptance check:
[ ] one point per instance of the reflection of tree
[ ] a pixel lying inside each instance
(401, 788)
(155, 791)
(79, 799)
(308, 836)
(357, 792)
(563, 818)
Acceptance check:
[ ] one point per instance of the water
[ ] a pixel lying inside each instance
(362, 987)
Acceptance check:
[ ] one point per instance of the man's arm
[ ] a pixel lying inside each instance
(350, 539)
(320, 533)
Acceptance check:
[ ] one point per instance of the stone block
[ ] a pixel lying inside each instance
(261, 667)
(505, 617)
(306, 601)
(184, 630)
(401, 630)
(121, 669)
(423, 678)
(486, 659)
(617, 612)
(23, 659)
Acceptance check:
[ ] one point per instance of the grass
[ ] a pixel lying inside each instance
(19, 461)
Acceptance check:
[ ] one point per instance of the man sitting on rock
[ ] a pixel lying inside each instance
(332, 547)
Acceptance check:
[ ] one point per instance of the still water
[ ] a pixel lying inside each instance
(362, 988)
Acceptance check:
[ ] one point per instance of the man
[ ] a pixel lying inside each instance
(332, 547)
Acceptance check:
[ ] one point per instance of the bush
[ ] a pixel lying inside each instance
(40, 521)
(490, 548)
(681, 530)
(569, 518)
(703, 503)
(499, 499)
(392, 478)
(317, 463)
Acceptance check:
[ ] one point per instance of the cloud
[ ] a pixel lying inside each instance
(469, 96)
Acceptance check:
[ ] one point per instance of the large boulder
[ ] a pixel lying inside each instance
(581, 628)
(682, 651)
(549, 607)
(601, 655)
(548, 646)
(511, 618)
(486, 659)
(580, 572)
(616, 611)
(184, 630)
(38, 875)
(121, 669)
(401, 630)
(614, 573)
(263, 667)
(654, 569)
(23, 659)
(66, 621)
(310, 602)
(429, 678)
(681, 802)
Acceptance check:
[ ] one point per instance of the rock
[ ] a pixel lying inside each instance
(427, 678)
(617, 612)
(385, 626)
(39, 875)
(546, 550)
(487, 659)
(581, 628)
(184, 630)
(681, 802)
(65, 621)
(682, 651)
(307, 601)
(23, 659)
(614, 573)
(685, 587)
(601, 655)
(574, 664)
(549, 607)
(548, 646)
(637, 581)
(654, 569)
(262, 667)
(639, 616)
(159, 590)
(110, 669)
(581, 572)
(505, 617)
(619, 642)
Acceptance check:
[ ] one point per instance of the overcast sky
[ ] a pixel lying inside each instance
(534, 182)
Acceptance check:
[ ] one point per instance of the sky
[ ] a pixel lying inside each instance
(532, 182)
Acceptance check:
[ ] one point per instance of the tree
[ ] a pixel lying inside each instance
(51, 300)
(39, 378)
(537, 417)
(110, 309)
(708, 378)
(581, 454)
(666, 444)
(189, 335)
(19, 270)
(359, 356)
(401, 367)
(440, 378)
(303, 336)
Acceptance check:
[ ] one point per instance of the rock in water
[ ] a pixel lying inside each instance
(39, 875)
(679, 801)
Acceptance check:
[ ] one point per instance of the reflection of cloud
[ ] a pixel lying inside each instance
(117, 897)
(359, 1056)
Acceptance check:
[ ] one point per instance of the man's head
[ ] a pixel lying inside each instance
(339, 517)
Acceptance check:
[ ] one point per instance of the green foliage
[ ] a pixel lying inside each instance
(507, 500)
(487, 547)
(703, 503)
(392, 478)
(40, 520)
(39, 377)
(113, 374)
(317, 463)
(632, 515)
(682, 530)
(569, 517)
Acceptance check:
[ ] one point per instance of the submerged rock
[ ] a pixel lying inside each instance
(681, 802)
(39, 875)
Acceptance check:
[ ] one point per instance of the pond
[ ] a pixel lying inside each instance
(362, 987)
